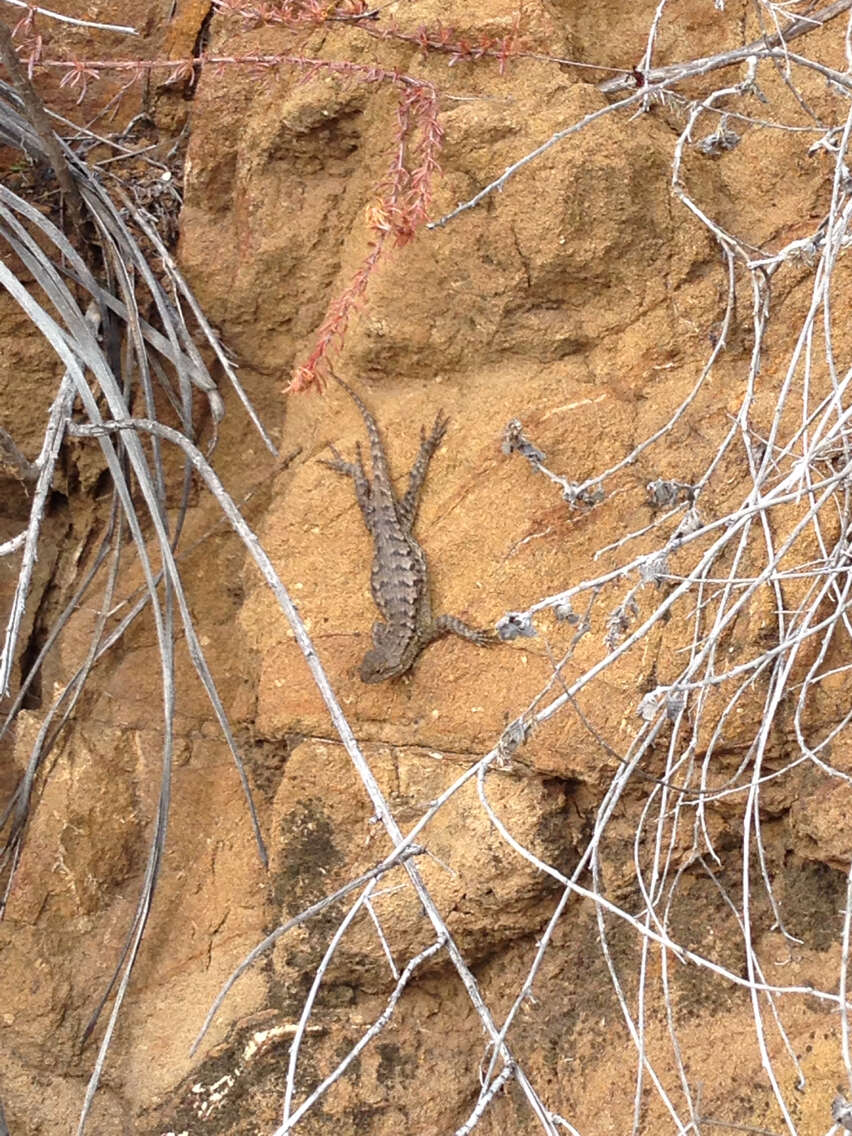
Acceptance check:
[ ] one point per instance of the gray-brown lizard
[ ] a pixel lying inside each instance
(399, 578)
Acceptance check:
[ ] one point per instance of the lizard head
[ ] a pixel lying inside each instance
(376, 666)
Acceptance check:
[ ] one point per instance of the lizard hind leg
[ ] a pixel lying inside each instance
(338, 463)
(355, 470)
(428, 444)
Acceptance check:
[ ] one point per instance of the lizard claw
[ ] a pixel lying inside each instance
(337, 462)
(451, 625)
(439, 429)
(485, 637)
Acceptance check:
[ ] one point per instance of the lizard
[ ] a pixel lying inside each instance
(399, 578)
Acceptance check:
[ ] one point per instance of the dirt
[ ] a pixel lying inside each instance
(582, 300)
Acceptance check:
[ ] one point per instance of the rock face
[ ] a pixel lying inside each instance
(583, 300)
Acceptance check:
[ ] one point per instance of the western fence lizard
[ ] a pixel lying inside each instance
(399, 579)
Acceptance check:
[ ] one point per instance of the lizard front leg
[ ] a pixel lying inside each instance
(451, 625)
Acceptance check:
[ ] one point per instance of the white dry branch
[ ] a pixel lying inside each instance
(64, 19)
(799, 480)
